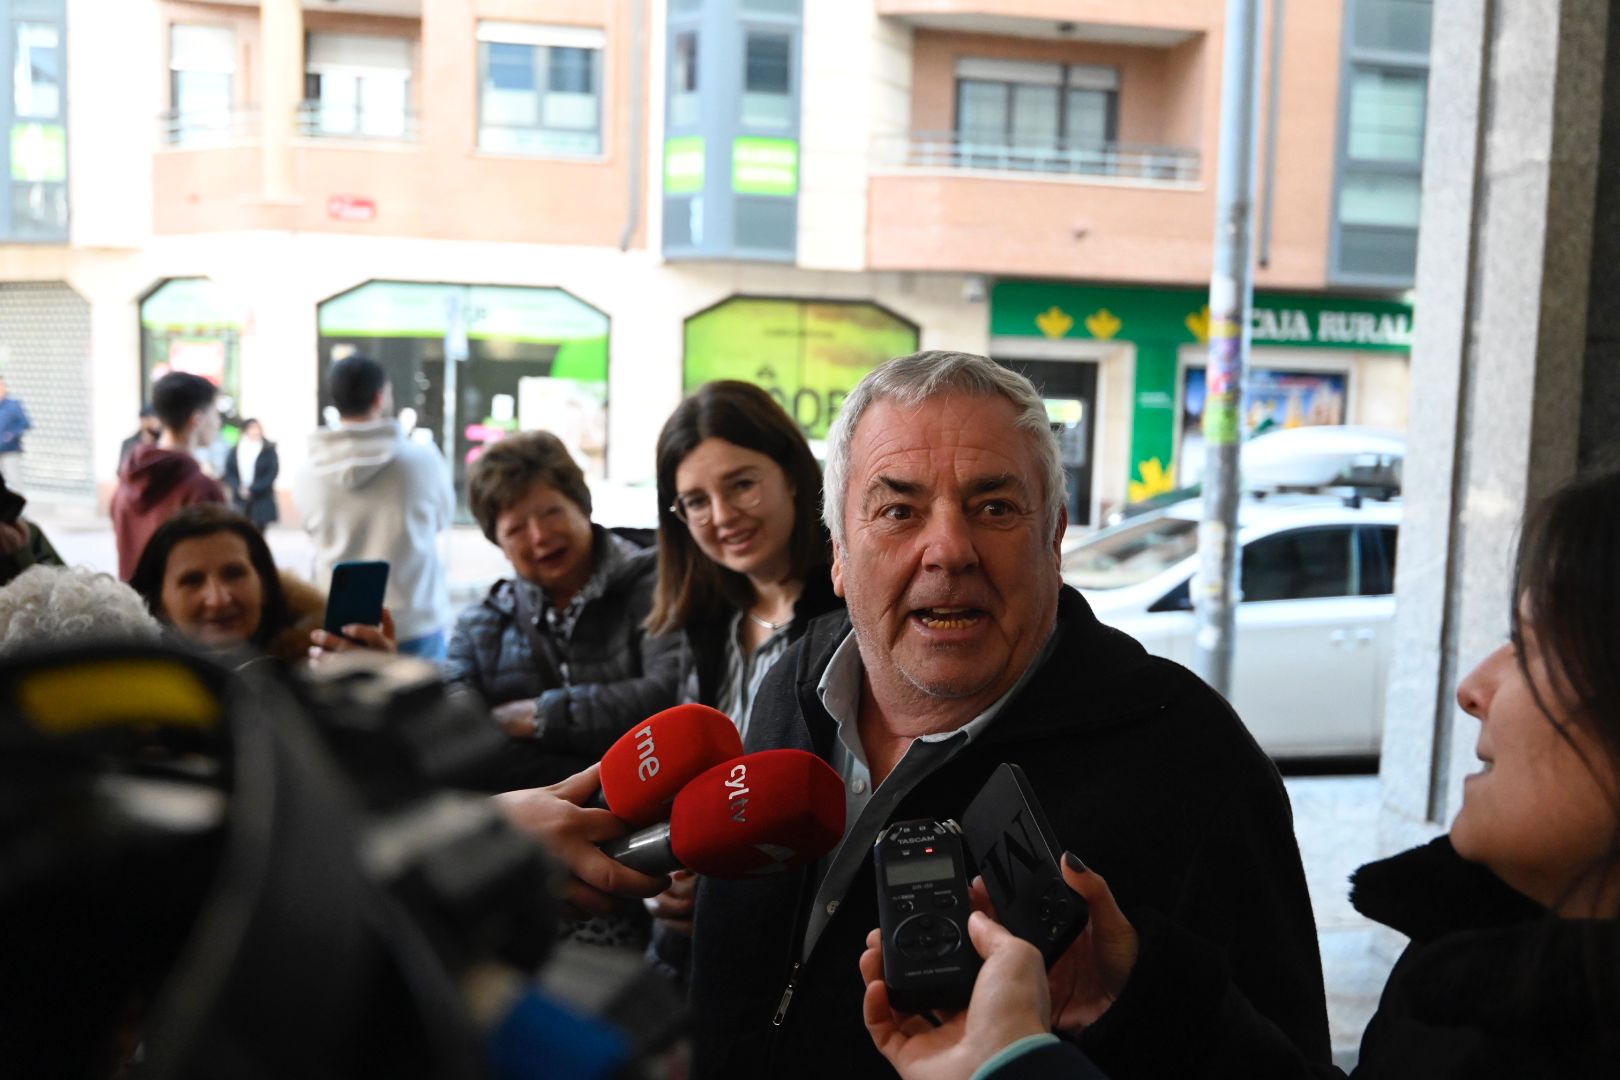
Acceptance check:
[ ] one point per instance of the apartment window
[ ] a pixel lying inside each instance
(36, 83)
(357, 86)
(767, 99)
(540, 89)
(683, 80)
(202, 67)
(34, 158)
(1027, 115)
(1381, 144)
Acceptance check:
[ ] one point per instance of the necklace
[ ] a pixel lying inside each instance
(773, 627)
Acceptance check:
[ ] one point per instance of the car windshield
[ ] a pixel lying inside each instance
(1130, 554)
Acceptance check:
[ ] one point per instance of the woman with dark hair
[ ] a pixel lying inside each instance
(742, 553)
(208, 575)
(743, 564)
(1513, 963)
(251, 469)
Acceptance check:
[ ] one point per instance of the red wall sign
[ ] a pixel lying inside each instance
(351, 208)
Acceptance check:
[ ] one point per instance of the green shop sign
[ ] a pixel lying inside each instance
(1181, 316)
(809, 355)
(540, 316)
(761, 166)
(683, 165)
(1160, 321)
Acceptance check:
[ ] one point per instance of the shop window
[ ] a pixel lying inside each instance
(357, 86)
(1023, 115)
(202, 70)
(808, 354)
(34, 158)
(536, 359)
(767, 99)
(1272, 400)
(683, 80)
(192, 325)
(540, 89)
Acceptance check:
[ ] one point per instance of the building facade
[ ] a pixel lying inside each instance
(569, 213)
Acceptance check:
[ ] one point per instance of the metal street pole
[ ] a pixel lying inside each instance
(455, 354)
(1231, 298)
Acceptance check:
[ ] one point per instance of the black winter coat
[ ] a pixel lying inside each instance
(1143, 771)
(1490, 986)
(618, 675)
(260, 505)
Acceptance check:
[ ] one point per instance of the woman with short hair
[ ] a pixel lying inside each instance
(558, 649)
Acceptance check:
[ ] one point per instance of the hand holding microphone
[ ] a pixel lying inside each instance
(572, 832)
(639, 777)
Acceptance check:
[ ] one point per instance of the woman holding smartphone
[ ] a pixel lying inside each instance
(1513, 963)
(208, 575)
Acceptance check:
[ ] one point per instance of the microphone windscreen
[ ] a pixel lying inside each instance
(649, 765)
(758, 814)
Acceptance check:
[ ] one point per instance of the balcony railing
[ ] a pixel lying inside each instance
(209, 127)
(329, 120)
(952, 150)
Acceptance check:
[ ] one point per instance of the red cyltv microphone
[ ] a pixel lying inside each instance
(650, 764)
(752, 815)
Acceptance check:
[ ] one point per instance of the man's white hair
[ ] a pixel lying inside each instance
(60, 605)
(909, 381)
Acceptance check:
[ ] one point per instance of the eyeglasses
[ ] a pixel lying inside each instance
(742, 494)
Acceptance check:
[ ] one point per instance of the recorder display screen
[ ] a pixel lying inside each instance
(915, 871)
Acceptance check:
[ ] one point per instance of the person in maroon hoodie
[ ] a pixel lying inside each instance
(157, 480)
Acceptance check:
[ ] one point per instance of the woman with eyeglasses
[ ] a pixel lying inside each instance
(742, 553)
(743, 563)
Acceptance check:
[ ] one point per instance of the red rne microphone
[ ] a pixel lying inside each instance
(749, 816)
(650, 764)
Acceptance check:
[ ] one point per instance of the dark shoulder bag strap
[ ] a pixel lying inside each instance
(544, 649)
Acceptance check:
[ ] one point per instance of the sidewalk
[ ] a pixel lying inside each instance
(1336, 821)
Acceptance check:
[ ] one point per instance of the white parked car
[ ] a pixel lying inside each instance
(1314, 624)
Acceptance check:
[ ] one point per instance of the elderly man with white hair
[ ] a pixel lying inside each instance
(962, 649)
(68, 605)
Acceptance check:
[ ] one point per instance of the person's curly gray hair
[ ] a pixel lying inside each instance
(59, 605)
(910, 380)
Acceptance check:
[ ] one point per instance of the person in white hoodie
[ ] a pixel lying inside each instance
(368, 492)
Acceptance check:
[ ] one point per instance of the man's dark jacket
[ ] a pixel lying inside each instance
(1145, 773)
(618, 675)
(1491, 987)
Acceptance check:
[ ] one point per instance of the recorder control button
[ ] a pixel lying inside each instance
(926, 936)
(945, 900)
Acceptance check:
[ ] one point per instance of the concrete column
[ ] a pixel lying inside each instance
(1600, 391)
(281, 89)
(1504, 274)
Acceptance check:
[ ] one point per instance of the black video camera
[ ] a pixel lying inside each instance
(244, 873)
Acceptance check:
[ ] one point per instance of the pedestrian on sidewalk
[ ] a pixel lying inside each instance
(250, 474)
(158, 480)
(368, 492)
(13, 422)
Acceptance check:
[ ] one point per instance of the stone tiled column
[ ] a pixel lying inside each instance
(1505, 269)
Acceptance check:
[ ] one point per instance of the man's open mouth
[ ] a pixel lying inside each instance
(948, 618)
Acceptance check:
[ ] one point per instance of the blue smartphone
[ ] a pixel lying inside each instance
(356, 595)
